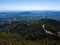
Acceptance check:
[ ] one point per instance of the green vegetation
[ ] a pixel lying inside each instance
(29, 33)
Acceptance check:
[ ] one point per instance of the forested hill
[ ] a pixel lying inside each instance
(35, 25)
(21, 32)
(33, 29)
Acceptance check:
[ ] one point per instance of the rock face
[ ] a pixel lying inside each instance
(59, 34)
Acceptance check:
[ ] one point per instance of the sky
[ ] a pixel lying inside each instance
(25, 5)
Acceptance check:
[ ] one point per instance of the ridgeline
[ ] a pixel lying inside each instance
(29, 32)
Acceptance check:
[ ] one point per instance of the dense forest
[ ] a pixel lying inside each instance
(27, 32)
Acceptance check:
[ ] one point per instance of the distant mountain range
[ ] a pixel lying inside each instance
(29, 15)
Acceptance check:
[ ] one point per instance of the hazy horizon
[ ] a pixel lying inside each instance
(29, 5)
